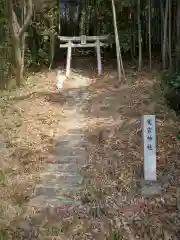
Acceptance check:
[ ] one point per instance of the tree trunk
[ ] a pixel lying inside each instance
(146, 18)
(19, 64)
(164, 50)
(134, 33)
(139, 35)
(178, 37)
(23, 38)
(118, 48)
(170, 37)
(174, 23)
(162, 25)
(78, 30)
(52, 39)
(83, 20)
(149, 32)
(18, 37)
(132, 36)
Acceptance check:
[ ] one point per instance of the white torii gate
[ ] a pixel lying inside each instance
(93, 41)
(83, 42)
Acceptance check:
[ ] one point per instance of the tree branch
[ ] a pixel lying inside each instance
(13, 22)
(28, 17)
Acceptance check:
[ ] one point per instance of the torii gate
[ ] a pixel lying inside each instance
(84, 41)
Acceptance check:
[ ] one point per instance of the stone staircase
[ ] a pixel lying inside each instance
(56, 195)
(63, 180)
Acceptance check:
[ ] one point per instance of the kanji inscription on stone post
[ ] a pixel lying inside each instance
(149, 136)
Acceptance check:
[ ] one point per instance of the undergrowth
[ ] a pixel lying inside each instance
(171, 87)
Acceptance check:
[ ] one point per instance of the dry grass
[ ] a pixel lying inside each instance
(112, 207)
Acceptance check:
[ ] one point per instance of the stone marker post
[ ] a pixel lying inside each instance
(149, 137)
(149, 185)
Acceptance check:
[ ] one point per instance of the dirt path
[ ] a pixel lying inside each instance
(91, 161)
(62, 179)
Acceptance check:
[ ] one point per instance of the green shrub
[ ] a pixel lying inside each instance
(172, 80)
(171, 85)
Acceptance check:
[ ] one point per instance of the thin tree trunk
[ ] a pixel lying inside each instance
(139, 35)
(178, 36)
(174, 23)
(19, 65)
(164, 55)
(134, 34)
(118, 48)
(59, 18)
(162, 25)
(83, 19)
(170, 38)
(52, 43)
(132, 37)
(88, 19)
(78, 30)
(23, 40)
(149, 32)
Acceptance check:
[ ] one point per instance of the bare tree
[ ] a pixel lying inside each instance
(18, 36)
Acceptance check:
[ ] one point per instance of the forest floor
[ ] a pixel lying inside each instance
(32, 119)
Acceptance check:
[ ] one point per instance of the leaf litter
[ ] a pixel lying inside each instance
(112, 207)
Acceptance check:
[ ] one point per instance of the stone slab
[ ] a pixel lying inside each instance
(68, 159)
(77, 132)
(150, 188)
(45, 190)
(43, 201)
(70, 141)
(62, 152)
(62, 179)
(61, 167)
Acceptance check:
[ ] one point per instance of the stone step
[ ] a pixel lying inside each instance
(55, 159)
(55, 191)
(74, 141)
(71, 139)
(68, 148)
(47, 191)
(62, 179)
(62, 152)
(70, 167)
(42, 201)
(75, 132)
(72, 135)
(68, 159)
